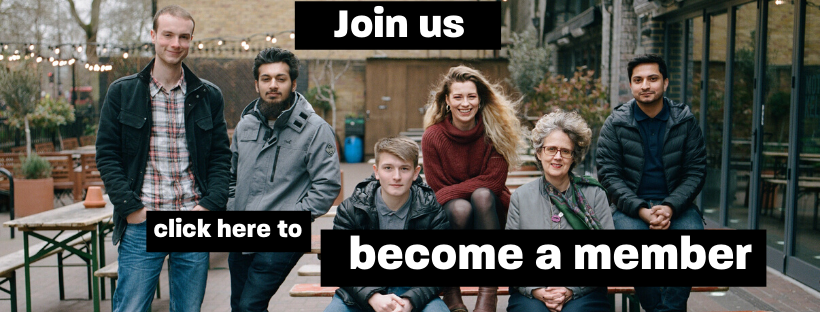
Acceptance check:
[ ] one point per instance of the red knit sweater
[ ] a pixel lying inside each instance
(456, 163)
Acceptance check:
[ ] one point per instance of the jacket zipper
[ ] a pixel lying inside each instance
(275, 159)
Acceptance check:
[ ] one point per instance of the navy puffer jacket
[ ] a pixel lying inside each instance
(620, 158)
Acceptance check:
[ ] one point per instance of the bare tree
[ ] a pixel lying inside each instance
(90, 28)
(325, 83)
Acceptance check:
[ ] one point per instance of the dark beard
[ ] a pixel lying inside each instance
(272, 110)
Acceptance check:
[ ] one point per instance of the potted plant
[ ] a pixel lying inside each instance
(33, 186)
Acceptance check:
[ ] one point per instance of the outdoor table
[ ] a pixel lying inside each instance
(74, 217)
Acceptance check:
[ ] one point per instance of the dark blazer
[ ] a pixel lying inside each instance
(125, 130)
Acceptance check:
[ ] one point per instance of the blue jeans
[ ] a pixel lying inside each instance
(337, 305)
(662, 299)
(139, 272)
(594, 301)
(256, 277)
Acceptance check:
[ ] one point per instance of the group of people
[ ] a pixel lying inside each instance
(162, 145)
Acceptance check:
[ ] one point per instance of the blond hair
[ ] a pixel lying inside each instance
(501, 127)
(402, 147)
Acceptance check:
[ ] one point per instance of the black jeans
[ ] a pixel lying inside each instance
(256, 277)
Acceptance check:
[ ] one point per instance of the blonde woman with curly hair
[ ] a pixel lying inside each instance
(470, 143)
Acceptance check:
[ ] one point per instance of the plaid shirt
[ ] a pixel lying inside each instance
(169, 182)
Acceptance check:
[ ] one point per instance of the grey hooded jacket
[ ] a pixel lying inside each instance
(290, 167)
(530, 209)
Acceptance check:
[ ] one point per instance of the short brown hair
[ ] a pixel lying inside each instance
(175, 10)
(402, 147)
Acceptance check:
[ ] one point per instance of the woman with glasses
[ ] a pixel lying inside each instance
(559, 201)
(470, 143)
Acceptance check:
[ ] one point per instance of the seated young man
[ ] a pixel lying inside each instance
(393, 198)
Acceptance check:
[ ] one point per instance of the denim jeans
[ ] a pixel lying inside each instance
(337, 305)
(256, 277)
(662, 299)
(139, 272)
(594, 301)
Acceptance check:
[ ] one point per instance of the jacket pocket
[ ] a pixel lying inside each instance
(132, 131)
(204, 135)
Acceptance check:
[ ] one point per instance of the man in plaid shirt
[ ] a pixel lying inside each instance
(162, 145)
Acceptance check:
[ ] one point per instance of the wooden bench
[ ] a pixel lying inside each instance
(110, 271)
(13, 261)
(331, 213)
(628, 303)
(316, 290)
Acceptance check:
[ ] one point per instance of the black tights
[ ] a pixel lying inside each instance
(478, 213)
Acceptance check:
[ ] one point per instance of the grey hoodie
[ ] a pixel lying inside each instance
(290, 167)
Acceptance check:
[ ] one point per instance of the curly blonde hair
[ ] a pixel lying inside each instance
(501, 127)
(570, 123)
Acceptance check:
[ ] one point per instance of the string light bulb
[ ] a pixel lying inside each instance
(105, 50)
(1, 57)
(273, 40)
(219, 42)
(31, 47)
(244, 43)
(79, 49)
(31, 54)
(85, 65)
(39, 59)
(268, 38)
(97, 67)
(5, 47)
(71, 61)
(200, 46)
(57, 50)
(55, 63)
(125, 55)
(51, 59)
(292, 35)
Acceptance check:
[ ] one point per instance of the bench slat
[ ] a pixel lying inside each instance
(13, 261)
(310, 270)
(316, 290)
(109, 270)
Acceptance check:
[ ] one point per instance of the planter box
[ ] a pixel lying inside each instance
(33, 196)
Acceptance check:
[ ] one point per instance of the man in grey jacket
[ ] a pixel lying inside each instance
(283, 159)
(652, 161)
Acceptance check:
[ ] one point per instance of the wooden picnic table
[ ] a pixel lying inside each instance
(90, 149)
(73, 217)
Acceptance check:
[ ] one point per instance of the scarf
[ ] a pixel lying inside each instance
(574, 204)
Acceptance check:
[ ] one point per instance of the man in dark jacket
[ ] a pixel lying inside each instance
(162, 145)
(652, 161)
(394, 198)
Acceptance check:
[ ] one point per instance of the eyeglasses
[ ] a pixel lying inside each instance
(552, 150)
